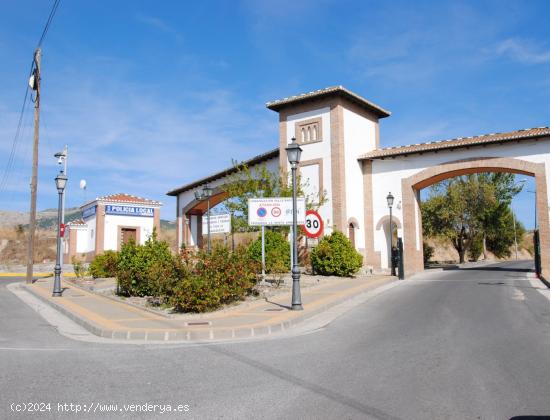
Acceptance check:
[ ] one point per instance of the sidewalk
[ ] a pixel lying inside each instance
(109, 318)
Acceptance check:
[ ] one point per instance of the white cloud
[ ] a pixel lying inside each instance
(523, 51)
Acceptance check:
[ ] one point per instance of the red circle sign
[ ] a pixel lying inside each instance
(313, 226)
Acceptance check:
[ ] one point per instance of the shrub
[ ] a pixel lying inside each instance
(147, 270)
(277, 251)
(476, 248)
(104, 265)
(78, 267)
(210, 280)
(335, 255)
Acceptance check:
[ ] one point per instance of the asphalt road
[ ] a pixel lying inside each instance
(463, 344)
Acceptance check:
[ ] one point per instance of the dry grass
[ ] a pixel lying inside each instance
(13, 246)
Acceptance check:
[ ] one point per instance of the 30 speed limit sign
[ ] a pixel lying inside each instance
(313, 226)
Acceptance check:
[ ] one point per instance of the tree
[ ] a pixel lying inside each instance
(248, 183)
(472, 211)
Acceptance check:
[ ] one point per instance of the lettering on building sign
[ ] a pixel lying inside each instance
(130, 211)
(89, 212)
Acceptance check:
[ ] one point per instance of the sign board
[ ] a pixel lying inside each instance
(275, 211)
(219, 223)
(313, 226)
(129, 211)
(89, 212)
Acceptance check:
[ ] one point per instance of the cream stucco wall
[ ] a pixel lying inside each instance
(387, 175)
(359, 138)
(317, 150)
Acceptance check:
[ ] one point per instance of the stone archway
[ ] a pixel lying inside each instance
(411, 186)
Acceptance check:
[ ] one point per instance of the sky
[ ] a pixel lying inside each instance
(151, 95)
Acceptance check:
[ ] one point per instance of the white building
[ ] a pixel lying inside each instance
(339, 133)
(110, 221)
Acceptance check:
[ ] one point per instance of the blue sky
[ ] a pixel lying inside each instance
(151, 95)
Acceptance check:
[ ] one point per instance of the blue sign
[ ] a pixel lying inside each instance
(130, 211)
(89, 212)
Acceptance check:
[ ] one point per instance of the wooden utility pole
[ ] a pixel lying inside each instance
(34, 179)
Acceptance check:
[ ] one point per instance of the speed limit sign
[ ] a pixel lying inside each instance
(313, 226)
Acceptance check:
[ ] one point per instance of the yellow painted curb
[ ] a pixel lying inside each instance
(35, 274)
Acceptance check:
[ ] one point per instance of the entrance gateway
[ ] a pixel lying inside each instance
(339, 133)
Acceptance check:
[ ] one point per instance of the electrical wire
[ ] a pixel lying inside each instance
(17, 137)
(48, 22)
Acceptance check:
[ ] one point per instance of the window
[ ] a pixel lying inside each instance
(309, 131)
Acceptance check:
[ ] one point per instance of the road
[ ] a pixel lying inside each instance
(461, 344)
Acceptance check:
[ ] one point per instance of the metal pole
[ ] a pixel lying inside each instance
(291, 248)
(263, 252)
(208, 223)
(296, 297)
(391, 244)
(57, 270)
(65, 152)
(34, 177)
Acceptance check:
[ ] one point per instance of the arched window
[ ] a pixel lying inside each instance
(308, 134)
(351, 234)
(314, 138)
(303, 134)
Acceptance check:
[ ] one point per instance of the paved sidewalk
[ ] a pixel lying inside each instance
(109, 318)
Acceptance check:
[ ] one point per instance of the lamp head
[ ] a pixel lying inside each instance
(293, 152)
(198, 195)
(61, 182)
(389, 199)
(207, 191)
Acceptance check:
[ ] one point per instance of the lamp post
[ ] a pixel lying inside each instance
(205, 194)
(62, 160)
(293, 152)
(60, 183)
(390, 199)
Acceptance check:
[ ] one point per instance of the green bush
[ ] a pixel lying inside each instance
(335, 255)
(210, 280)
(277, 251)
(147, 270)
(104, 265)
(476, 248)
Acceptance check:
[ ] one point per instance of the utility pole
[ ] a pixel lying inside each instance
(35, 85)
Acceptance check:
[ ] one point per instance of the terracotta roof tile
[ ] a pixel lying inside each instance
(78, 222)
(333, 90)
(528, 133)
(128, 198)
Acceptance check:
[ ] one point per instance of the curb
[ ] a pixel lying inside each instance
(203, 335)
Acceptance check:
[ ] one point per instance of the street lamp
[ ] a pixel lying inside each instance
(205, 194)
(62, 160)
(293, 153)
(60, 183)
(390, 199)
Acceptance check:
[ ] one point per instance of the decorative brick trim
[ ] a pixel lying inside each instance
(386, 219)
(371, 257)
(317, 122)
(100, 229)
(413, 258)
(354, 222)
(318, 162)
(338, 174)
(283, 142)
(119, 235)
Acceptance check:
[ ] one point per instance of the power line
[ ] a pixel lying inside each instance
(48, 22)
(9, 166)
